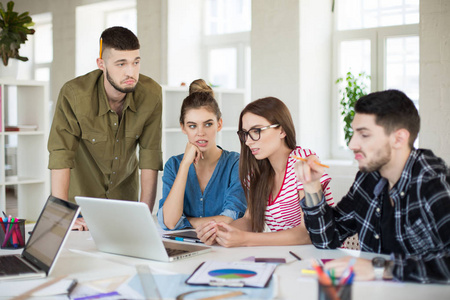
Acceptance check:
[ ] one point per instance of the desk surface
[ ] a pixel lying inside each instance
(82, 261)
(290, 282)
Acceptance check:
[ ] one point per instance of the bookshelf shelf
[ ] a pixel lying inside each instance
(23, 153)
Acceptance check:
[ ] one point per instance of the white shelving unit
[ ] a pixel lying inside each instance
(231, 103)
(23, 153)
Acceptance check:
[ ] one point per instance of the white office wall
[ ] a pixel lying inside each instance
(152, 34)
(434, 101)
(315, 80)
(184, 41)
(275, 50)
(87, 37)
(291, 60)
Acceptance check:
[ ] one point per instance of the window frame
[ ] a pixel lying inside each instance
(377, 37)
(239, 41)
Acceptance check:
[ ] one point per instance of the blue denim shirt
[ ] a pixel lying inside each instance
(223, 194)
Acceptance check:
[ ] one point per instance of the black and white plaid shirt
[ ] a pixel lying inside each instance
(422, 218)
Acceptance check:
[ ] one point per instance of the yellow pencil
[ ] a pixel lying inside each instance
(309, 272)
(101, 46)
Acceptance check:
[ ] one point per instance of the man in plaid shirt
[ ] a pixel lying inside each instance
(399, 203)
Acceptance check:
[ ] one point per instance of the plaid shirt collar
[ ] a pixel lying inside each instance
(401, 187)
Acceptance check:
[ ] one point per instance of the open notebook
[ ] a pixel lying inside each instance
(127, 228)
(45, 243)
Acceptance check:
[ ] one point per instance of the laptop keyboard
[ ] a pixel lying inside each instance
(13, 265)
(175, 252)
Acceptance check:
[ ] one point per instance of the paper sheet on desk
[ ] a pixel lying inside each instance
(17, 287)
(170, 286)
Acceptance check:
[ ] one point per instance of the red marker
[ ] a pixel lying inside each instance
(15, 240)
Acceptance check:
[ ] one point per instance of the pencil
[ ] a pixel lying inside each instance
(309, 272)
(223, 296)
(302, 159)
(101, 47)
(295, 255)
(29, 293)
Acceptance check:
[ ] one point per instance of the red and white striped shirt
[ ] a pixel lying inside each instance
(284, 211)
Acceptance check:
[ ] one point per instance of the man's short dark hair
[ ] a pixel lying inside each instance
(393, 110)
(119, 38)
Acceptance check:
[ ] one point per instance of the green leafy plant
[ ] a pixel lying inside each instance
(354, 87)
(14, 29)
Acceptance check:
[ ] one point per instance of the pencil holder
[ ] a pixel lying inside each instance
(335, 292)
(12, 234)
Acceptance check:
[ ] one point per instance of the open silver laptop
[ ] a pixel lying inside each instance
(45, 243)
(127, 228)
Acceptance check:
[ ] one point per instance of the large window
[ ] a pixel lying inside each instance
(227, 16)
(358, 14)
(38, 49)
(227, 42)
(381, 39)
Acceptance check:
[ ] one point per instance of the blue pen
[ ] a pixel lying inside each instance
(350, 278)
(185, 239)
(177, 238)
(347, 272)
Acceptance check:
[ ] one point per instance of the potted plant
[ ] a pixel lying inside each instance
(354, 88)
(14, 29)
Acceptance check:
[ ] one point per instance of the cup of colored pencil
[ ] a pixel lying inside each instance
(333, 288)
(12, 233)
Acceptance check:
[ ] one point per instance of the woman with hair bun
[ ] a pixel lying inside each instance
(202, 184)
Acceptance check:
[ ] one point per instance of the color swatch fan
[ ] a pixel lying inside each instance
(232, 273)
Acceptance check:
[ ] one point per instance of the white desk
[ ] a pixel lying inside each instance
(86, 265)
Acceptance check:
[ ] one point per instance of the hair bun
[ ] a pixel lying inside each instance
(200, 86)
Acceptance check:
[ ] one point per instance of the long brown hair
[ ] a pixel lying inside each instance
(257, 176)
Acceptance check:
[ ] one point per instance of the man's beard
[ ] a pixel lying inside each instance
(122, 90)
(382, 158)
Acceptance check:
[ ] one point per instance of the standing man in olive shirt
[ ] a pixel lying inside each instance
(99, 120)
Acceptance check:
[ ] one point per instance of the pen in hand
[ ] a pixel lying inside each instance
(302, 159)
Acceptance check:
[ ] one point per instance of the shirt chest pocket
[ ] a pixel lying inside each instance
(419, 237)
(131, 137)
(95, 142)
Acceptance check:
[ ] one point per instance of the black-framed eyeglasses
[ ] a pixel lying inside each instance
(254, 133)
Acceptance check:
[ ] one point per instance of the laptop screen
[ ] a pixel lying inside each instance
(48, 235)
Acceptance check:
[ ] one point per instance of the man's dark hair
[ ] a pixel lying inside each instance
(393, 110)
(119, 38)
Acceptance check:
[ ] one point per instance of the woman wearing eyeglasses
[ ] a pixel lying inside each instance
(203, 183)
(267, 170)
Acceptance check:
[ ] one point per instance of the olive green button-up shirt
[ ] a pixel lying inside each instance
(87, 137)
